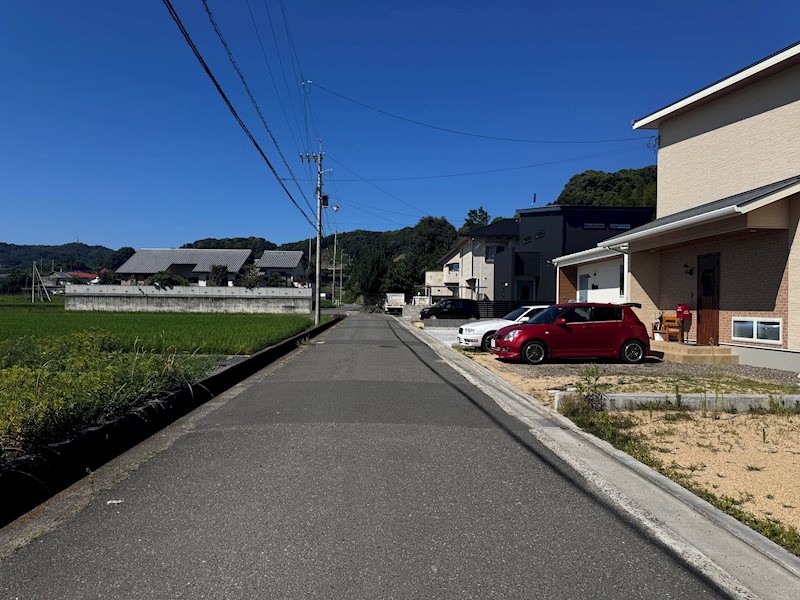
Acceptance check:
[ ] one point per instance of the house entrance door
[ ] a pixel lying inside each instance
(708, 299)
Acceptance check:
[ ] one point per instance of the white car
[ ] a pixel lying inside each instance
(478, 334)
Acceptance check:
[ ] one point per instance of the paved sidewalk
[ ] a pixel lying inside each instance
(362, 466)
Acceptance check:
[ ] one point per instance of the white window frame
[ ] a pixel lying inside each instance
(756, 321)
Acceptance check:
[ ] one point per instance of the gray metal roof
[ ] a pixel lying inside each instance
(153, 260)
(279, 259)
(741, 199)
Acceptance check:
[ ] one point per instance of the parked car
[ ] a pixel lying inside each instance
(585, 330)
(480, 333)
(452, 308)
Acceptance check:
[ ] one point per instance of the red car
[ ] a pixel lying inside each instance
(586, 330)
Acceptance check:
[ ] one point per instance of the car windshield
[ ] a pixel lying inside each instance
(515, 314)
(547, 316)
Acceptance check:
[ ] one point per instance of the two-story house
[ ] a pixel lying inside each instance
(511, 259)
(726, 240)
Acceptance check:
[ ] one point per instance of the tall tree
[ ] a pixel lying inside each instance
(431, 238)
(120, 256)
(628, 187)
(476, 218)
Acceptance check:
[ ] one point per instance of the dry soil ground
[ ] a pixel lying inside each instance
(750, 457)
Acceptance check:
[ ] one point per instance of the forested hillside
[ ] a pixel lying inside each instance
(74, 256)
(628, 187)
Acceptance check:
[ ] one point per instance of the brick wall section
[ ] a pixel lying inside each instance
(645, 284)
(754, 280)
(792, 328)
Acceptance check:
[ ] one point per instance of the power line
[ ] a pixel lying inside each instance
(236, 116)
(285, 80)
(502, 169)
(252, 98)
(469, 133)
(377, 187)
(295, 62)
(272, 77)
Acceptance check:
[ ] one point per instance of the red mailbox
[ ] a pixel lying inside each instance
(682, 311)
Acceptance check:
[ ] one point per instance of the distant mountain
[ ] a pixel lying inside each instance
(628, 187)
(74, 256)
(256, 244)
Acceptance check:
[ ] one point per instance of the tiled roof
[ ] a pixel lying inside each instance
(153, 260)
(503, 228)
(280, 259)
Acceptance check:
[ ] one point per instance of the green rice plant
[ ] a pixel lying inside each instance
(57, 386)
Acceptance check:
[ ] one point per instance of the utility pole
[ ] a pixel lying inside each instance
(341, 270)
(317, 158)
(333, 284)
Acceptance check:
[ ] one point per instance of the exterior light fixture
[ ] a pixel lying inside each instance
(687, 270)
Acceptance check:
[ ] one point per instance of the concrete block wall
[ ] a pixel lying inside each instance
(115, 298)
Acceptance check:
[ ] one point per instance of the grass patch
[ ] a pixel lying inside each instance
(158, 332)
(51, 388)
(616, 429)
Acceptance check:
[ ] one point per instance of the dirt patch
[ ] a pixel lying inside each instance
(752, 458)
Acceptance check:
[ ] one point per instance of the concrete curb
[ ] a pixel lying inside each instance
(27, 481)
(544, 421)
(724, 403)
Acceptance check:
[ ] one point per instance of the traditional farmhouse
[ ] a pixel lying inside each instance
(290, 265)
(726, 238)
(192, 263)
(510, 260)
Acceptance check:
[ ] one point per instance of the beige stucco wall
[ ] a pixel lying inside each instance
(746, 139)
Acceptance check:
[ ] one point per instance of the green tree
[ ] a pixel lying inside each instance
(628, 187)
(119, 257)
(166, 279)
(218, 276)
(431, 238)
(249, 277)
(107, 277)
(476, 218)
(404, 274)
(256, 244)
(367, 274)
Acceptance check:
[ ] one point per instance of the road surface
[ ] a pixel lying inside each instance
(361, 467)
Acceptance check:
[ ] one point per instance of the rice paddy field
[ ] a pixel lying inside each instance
(227, 334)
(63, 371)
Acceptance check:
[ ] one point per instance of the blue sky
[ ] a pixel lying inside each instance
(112, 134)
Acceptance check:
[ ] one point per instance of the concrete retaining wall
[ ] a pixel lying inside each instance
(708, 402)
(148, 298)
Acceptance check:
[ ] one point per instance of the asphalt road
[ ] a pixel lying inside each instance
(362, 468)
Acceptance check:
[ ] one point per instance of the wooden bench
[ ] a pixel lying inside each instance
(671, 326)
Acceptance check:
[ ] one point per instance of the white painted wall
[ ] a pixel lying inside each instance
(604, 275)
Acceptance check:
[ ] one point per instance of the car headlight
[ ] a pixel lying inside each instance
(469, 330)
(511, 335)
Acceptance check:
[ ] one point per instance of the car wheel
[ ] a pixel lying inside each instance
(534, 353)
(632, 352)
(486, 342)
